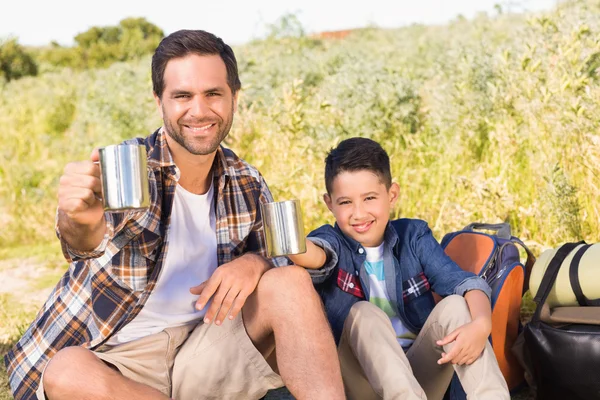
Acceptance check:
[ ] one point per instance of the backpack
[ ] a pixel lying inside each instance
(496, 258)
(561, 348)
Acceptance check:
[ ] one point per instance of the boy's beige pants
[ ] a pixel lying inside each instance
(374, 365)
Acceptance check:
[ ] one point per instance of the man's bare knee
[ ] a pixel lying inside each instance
(282, 291)
(286, 281)
(65, 370)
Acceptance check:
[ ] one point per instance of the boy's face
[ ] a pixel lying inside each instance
(361, 205)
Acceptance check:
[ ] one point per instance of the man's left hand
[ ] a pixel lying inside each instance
(229, 287)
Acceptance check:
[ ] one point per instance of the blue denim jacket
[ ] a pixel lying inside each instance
(414, 264)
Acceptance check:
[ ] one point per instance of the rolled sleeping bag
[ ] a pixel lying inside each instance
(562, 293)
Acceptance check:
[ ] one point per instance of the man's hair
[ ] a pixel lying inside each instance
(357, 154)
(184, 42)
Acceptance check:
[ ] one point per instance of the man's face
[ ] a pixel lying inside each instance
(197, 105)
(361, 205)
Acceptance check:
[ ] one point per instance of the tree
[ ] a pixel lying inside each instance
(15, 61)
(102, 46)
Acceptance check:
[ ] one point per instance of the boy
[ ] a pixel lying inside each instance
(397, 338)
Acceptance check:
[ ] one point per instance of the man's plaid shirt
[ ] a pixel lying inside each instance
(106, 288)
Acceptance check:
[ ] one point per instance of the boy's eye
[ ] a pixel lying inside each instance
(344, 202)
(370, 198)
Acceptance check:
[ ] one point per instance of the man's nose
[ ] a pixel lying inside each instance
(199, 108)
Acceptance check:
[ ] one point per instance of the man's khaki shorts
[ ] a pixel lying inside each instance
(195, 362)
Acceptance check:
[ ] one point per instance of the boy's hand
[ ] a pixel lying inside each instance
(469, 342)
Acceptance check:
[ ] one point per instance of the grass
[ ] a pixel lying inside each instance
(16, 311)
(491, 119)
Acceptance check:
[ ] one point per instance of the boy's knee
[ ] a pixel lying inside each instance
(453, 310)
(365, 314)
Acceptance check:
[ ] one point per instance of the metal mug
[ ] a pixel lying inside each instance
(284, 231)
(124, 177)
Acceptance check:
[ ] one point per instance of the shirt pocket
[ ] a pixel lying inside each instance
(418, 299)
(133, 265)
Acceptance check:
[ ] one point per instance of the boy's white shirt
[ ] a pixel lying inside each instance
(378, 294)
(191, 260)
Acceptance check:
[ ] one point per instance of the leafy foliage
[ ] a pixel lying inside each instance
(15, 61)
(492, 119)
(102, 46)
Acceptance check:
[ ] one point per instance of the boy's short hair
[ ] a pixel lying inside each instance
(357, 154)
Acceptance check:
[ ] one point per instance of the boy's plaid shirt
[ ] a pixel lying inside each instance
(106, 288)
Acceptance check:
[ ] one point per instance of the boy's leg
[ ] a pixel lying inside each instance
(370, 354)
(481, 380)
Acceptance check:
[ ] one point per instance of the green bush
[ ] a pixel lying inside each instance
(15, 61)
(492, 119)
(99, 47)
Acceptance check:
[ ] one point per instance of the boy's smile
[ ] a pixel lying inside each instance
(361, 205)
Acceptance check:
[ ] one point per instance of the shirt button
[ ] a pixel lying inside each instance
(351, 285)
(361, 250)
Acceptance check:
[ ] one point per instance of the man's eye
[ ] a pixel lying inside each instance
(182, 96)
(212, 94)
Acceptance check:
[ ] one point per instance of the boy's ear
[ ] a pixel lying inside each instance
(327, 200)
(393, 193)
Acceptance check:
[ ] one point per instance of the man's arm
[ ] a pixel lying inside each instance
(80, 217)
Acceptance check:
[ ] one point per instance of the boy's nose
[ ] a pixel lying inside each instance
(358, 212)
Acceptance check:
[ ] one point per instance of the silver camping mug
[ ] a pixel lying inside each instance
(284, 231)
(124, 177)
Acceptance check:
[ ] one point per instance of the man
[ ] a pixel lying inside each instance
(151, 306)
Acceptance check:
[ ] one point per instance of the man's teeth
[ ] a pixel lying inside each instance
(200, 128)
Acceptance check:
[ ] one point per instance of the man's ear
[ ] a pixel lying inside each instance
(327, 200)
(158, 104)
(235, 101)
(393, 193)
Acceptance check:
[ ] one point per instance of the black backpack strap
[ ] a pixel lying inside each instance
(550, 276)
(574, 278)
(528, 263)
(502, 229)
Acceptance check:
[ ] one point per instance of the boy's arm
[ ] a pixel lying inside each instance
(470, 339)
(314, 258)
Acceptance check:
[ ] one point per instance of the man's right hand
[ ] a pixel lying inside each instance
(80, 209)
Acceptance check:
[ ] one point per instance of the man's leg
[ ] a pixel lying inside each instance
(229, 361)
(373, 363)
(481, 380)
(286, 306)
(140, 369)
(77, 373)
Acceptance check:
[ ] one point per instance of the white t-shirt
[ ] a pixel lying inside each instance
(190, 260)
(378, 294)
